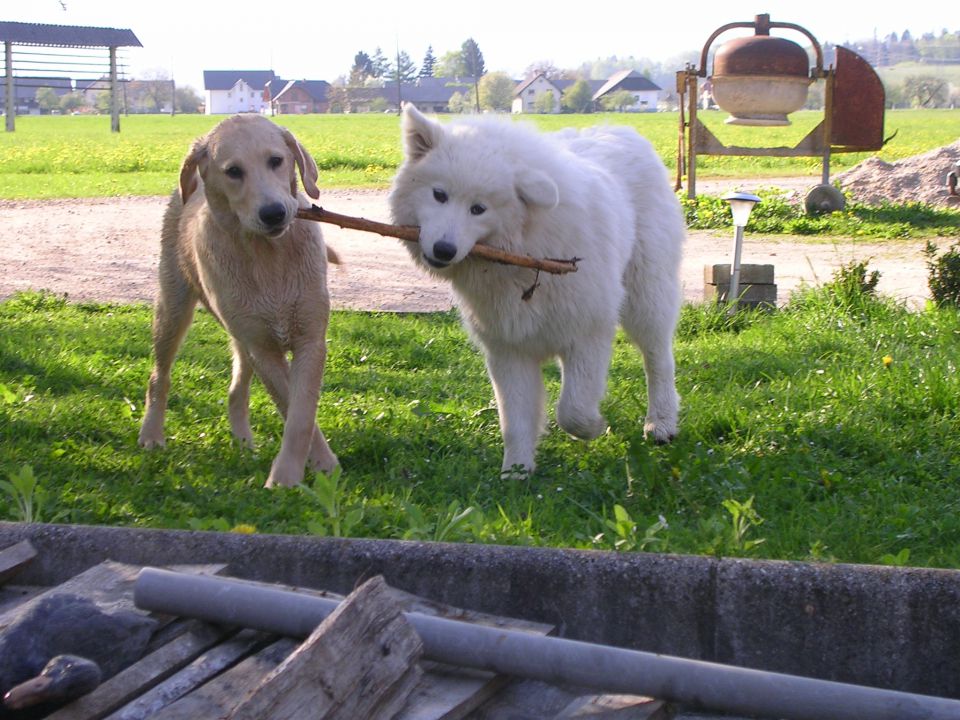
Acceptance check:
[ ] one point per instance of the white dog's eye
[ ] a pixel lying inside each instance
(439, 195)
(477, 209)
(275, 162)
(235, 172)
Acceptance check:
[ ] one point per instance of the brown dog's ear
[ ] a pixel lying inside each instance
(188, 171)
(309, 174)
(420, 134)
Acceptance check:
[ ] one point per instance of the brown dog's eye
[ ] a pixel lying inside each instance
(234, 172)
(275, 162)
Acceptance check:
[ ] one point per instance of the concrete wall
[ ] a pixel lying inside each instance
(897, 628)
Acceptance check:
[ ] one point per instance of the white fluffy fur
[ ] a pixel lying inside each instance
(600, 194)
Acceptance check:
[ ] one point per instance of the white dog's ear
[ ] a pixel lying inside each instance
(420, 134)
(305, 164)
(535, 187)
(192, 164)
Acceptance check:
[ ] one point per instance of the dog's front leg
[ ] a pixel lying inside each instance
(521, 400)
(173, 313)
(295, 389)
(584, 369)
(239, 397)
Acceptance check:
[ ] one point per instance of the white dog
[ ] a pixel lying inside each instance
(602, 195)
(232, 241)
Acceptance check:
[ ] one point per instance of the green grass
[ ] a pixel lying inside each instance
(66, 156)
(825, 431)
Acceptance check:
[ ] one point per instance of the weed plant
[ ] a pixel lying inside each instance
(827, 431)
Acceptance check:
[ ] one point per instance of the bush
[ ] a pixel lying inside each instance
(944, 275)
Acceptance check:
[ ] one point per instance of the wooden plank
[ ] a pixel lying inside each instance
(14, 558)
(140, 677)
(616, 707)
(210, 664)
(452, 693)
(109, 585)
(13, 595)
(360, 662)
(219, 696)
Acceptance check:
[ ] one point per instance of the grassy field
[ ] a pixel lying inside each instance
(66, 156)
(827, 431)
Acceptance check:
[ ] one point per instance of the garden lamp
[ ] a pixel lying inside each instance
(741, 204)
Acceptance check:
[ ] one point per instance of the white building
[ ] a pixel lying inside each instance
(527, 94)
(236, 91)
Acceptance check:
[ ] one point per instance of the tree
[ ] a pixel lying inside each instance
(542, 67)
(361, 70)
(154, 91)
(403, 69)
(456, 103)
(619, 101)
(187, 100)
(473, 62)
(926, 91)
(496, 92)
(545, 103)
(451, 65)
(472, 58)
(72, 101)
(47, 99)
(429, 61)
(378, 64)
(578, 98)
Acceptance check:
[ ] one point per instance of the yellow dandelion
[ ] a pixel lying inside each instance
(244, 529)
(887, 361)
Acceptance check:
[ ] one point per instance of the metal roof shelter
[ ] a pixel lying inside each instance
(61, 36)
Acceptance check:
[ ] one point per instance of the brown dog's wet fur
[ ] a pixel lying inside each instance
(231, 241)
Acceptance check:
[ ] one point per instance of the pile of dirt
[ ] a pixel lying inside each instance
(921, 178)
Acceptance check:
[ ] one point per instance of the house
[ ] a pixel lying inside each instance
(527, 96)
(298, 97)
(91, 89)
(25, 91)
(645, 92)
(236, 91)
(429, 94)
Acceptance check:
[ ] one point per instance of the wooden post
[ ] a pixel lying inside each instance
(692, 138)
(114, 93)
(11, 108)
(361, 662)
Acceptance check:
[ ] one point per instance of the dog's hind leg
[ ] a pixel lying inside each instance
(651, 329)
(584, 370)
(521, 400)
(173, 313)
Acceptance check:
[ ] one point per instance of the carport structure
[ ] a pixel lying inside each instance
(15, 34)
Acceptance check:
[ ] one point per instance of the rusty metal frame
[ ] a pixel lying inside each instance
(696, 139)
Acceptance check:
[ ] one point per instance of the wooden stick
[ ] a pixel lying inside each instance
(411, 233)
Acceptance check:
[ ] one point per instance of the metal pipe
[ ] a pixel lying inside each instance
(553, 660)
(733, 294)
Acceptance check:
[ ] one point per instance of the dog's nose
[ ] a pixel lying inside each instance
(443, 250)
(273, 214)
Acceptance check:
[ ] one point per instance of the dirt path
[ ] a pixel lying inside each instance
(106, 249)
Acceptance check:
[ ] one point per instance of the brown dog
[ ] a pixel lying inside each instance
(231, 241)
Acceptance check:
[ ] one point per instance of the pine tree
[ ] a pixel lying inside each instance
(473, 58)
(426, 67)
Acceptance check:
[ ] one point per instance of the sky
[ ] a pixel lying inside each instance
(318, 40)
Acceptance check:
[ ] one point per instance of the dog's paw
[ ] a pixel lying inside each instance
(582, 427)
(283, 476)
(660, 433)
(149, 440)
